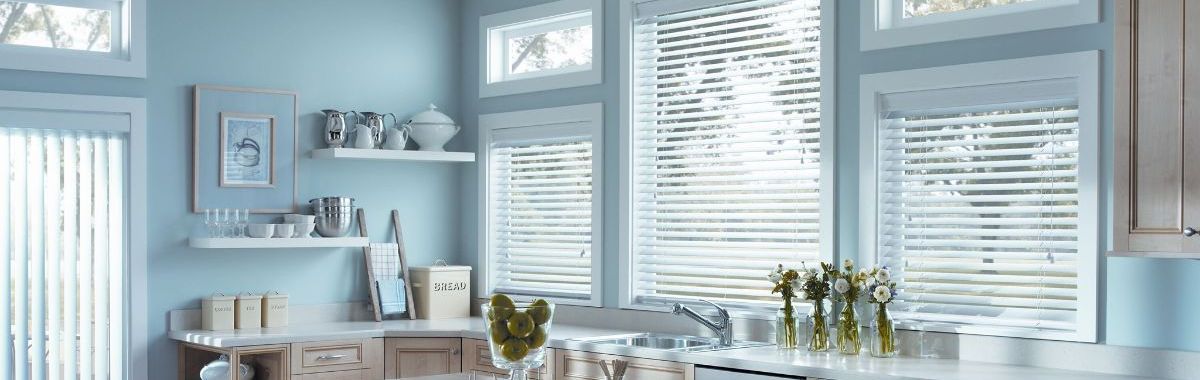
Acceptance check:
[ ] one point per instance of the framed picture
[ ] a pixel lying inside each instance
(247, 150)
(244, 149)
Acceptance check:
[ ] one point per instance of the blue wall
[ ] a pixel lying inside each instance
(385, 55)
(1143, 300)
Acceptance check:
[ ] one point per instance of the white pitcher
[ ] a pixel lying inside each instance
(396, 137)
(364, 137)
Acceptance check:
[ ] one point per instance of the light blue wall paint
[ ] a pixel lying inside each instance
(1143, 300)
(384, 55)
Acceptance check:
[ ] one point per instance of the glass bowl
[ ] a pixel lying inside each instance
(518, 335)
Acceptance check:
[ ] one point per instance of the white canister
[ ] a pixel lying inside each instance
(249, 311)
(216, 312)
(274, 309)
(442, 291)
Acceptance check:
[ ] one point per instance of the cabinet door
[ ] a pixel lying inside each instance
(577, 365)
(1149, 213)
(477, 357)
(413, 357)
(357, 374)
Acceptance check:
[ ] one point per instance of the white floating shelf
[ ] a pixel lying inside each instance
(1156, 255)
(264, 243)
(391, 155)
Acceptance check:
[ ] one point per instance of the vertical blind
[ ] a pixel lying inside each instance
(62, 234)
(978, 212)
(726, 150)
(542, 215)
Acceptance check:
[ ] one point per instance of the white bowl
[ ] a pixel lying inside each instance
(260, 230)
(304, 230)
(284, 230)
(299, 218)
(432, 137)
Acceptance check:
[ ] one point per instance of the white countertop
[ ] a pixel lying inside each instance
(761, 359)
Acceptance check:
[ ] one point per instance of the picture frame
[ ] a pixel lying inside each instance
(245, 149)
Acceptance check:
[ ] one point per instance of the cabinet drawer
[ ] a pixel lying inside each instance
(577, 365)
(477, 357)
(314, 357)
(354, 374)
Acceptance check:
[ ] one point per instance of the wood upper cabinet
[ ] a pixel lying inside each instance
(578, 365)
(414, 357)
(1157, 108)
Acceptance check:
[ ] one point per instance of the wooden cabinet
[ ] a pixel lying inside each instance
(477, 357)
(1157, 129)
(269, 362)
(578, 365)
(412, 357)
(349, 359)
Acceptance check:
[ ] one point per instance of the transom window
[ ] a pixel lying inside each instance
(98, 37)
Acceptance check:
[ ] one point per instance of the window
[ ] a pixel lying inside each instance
(542, 222)
(524, 46)
(67, 243)
(895, 23)
(726, 156)
(100, 37)
(983, 197)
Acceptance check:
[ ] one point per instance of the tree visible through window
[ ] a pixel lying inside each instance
(917, 8)
(552, 50)
(55, 26)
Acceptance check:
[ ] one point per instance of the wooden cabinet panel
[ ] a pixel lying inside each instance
(577, 365)
(313, 357)
(412, 357)
(1191, 124)
(477, 357)
(1151, 194)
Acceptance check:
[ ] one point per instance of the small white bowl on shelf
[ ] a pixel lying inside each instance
(284, 230)
(260, 231)
(299, 218)
(304, 230)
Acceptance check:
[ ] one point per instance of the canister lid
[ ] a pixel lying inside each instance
(274, 295)
(249, 296)
(443, 268)
(219, 297)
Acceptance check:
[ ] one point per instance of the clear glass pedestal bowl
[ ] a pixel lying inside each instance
(518, 336)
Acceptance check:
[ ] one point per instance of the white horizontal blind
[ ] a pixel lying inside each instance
(726, 149)
(542, 223)
(63, 239)
(978, 213)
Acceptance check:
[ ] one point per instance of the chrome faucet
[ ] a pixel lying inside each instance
(722, 327)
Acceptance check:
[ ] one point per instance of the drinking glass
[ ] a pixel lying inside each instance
(210, 222)
(244, 222)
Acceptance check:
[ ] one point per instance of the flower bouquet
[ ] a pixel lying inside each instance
(882, 290)
(786, 282)
(848, 286)
(815, 287)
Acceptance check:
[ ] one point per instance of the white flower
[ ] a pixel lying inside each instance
(803, 275)
(863, 273)
(797, 284)
(870, 281)
(775, 276)
(882, 294)
(841, 285)
(883, 275)
(848, 263)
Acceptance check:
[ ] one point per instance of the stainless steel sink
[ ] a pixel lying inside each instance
(667, 342)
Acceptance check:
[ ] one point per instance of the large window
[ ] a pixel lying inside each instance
(542, 202)
(984, 195)
(895, 23)
(67, 240)
(101, 37)
(726, 160)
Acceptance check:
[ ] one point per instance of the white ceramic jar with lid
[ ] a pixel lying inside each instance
(249, 311)
(216, 312)
(275, 309)
(432, 129)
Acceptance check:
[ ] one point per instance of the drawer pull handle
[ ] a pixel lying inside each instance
(1189, 232)
(331, 357)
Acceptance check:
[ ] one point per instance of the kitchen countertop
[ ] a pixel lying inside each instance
(761, 359)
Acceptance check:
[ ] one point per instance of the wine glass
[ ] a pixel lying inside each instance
(210, 222)
(244, 222)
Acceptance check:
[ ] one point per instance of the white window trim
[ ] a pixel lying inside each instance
(128, 59)
(593, 115)
(491, 39)
(1084, 68)
(828, 186)
(63, 111)
(881, 28)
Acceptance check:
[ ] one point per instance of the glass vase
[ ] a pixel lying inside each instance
(847, 331)
(787, 328)
(818, 328)
(518, 335)
(883, 342)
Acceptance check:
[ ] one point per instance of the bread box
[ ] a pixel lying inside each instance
(442, 291)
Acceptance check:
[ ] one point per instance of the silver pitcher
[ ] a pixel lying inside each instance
(335, 127)
(376, 122)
